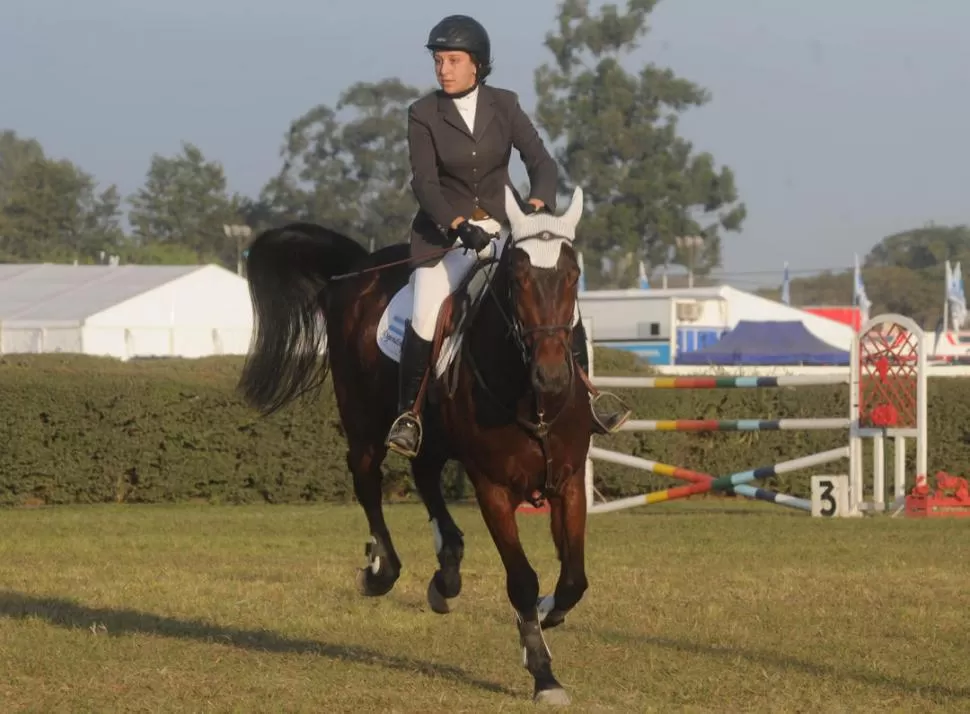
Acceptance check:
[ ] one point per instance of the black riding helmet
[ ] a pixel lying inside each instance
(460, 32)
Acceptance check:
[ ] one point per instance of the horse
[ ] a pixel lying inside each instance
(509, 407)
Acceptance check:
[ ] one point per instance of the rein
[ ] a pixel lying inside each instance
(383, 266)
(538, 429)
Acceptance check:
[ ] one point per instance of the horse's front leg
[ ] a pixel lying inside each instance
(522, 585)
(567, 519)
(449, 544)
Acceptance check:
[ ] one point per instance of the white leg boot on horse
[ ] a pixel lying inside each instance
(432, 286)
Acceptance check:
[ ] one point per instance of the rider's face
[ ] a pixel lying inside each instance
(455, 70)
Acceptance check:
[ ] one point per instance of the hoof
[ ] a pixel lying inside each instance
(436, 601)
(371, 585)
(552, 697)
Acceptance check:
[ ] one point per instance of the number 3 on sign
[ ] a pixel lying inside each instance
(830, 496)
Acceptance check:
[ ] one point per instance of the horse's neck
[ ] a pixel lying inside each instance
(497, 355)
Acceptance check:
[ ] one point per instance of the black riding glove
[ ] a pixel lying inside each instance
(472, 237)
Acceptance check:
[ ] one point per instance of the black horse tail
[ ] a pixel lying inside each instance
(288, 270)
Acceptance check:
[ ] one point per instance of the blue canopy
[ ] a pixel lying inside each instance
(767, 343)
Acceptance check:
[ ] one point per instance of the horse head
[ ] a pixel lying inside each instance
(543, 274)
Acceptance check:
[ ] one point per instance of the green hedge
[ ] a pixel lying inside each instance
(87, 430)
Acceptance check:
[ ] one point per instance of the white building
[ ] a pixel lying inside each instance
(659, 324)
(124, 311)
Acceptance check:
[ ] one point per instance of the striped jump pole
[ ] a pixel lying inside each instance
(735, 481)
(696, 478)
(737, 425)
(808, 380)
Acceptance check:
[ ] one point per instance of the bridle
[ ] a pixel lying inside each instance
(525, 340)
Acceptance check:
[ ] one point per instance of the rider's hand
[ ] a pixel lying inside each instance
(472, 237)
(531, 208)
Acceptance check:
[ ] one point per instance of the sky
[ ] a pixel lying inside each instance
(844, 120)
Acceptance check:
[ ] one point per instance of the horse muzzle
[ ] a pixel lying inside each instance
(550, 378)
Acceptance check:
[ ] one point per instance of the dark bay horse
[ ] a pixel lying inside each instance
(517, 414)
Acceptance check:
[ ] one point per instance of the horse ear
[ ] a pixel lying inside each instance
(575, 211)
(512, 211)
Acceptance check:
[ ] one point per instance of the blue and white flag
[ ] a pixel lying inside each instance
(956, 300)
(644, 283)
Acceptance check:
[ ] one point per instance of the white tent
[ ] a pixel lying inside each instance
(124, 311)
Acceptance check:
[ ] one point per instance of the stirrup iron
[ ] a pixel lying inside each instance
(408, 420)
(614, 421)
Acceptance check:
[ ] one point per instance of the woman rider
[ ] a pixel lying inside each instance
(460, 141)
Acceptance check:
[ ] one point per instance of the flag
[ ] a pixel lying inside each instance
(582, 273)
(644, 283)
(955, 297)
(859, 296)
(786, 287)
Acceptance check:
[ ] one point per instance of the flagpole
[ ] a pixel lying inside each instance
(947, 279)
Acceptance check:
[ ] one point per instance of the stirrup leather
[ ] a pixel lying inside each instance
(400, 438)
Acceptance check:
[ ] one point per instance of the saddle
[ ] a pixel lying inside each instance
(454, 317)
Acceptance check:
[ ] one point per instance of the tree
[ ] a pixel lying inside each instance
(185, 202)
(349, 173)
(50, 209)
(920, 248)
(615, 135)
(15, 154)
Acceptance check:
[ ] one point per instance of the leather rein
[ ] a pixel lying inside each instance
(538, 429)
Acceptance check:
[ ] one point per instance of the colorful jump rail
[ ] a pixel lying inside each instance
(887, 389)
(720, 382)
(707, 425)
(700, 483)
(737, 481)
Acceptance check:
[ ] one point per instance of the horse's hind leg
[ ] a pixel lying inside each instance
(522, 586)
(383, 565)
(449, 541)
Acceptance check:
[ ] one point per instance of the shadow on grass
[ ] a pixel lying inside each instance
(845, 671)
(71, 615)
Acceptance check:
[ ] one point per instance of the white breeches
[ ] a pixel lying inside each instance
(433, 284)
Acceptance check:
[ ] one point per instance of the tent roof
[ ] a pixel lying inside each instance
(58, 293)
(775, 343)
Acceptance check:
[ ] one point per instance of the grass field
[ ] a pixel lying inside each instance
(691, 608)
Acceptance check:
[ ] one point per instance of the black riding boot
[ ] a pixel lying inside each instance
(604, 422)
(405, 434)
